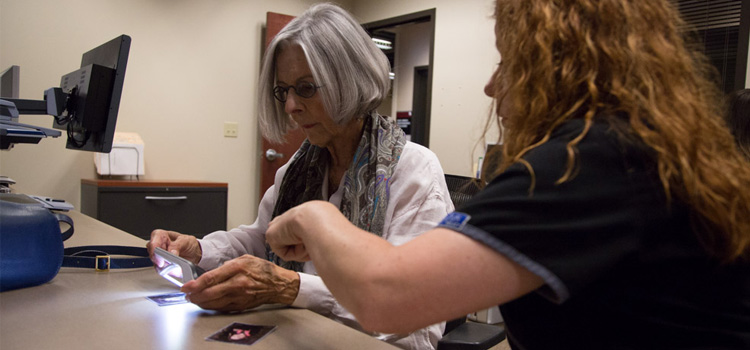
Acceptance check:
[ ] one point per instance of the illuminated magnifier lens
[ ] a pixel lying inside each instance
(176, 269)
(171, 272)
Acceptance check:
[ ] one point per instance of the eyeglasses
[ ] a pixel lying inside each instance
(305, 90)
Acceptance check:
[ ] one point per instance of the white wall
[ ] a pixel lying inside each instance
(193, 65)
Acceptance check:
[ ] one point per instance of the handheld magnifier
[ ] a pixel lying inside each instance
(175, 269)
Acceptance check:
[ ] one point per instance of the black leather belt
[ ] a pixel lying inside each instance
(99, 257)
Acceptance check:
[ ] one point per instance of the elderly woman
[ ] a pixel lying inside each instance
(322, 73)
(618, 218)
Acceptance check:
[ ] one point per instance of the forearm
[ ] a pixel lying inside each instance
(315, 296)
(399, 289)
(342, 252)
(365, 273)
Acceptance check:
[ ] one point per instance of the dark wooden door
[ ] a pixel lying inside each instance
(269, 164)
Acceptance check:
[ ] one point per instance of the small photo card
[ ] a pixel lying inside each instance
(241, 333)
(168, 299)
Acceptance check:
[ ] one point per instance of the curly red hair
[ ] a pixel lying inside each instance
(565, 59)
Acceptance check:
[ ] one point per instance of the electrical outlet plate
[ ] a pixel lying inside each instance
(230, 129)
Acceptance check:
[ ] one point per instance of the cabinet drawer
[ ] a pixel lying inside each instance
(139, 210)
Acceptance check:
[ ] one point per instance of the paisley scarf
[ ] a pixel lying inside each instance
(366, 182)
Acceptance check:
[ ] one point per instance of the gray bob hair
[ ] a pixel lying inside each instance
(352, 71)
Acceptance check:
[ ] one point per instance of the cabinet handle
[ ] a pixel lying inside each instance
(176, 198)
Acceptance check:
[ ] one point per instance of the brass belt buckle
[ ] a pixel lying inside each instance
(106, 266)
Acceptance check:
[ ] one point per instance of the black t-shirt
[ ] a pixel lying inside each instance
(622, 268)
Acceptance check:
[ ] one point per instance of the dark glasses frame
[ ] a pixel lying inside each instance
(304, 90)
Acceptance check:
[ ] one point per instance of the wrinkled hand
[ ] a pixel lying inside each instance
(186, 246)
(243, 283)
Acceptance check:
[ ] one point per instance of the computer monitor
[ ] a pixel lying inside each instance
(10, 82)
(98, 88)
(87, 102)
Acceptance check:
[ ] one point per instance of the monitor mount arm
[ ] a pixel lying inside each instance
(55, 103)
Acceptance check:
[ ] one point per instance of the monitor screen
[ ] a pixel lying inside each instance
(9, 82)
(94, 93)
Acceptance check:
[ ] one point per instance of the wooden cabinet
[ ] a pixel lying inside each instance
(139, 207)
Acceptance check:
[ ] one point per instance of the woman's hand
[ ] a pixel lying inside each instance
(243, 283)
(186, 246)
(285, 232)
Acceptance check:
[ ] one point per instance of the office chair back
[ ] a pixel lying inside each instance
(459, 334)
(461, 188)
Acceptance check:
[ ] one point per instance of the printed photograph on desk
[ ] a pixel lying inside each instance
(241, 333)
(168, 299)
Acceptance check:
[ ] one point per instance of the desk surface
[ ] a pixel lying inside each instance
(82, 308)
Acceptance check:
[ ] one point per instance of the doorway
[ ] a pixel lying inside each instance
(408, 41)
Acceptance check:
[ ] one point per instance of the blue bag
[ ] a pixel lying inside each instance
(31, 244)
